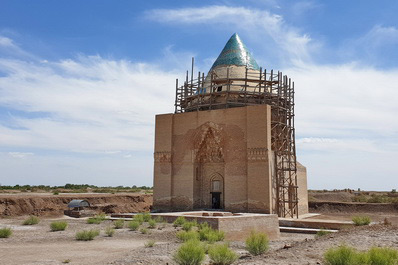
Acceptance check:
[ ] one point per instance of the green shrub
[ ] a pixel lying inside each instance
(187, 235)
(152, 224)
(109, 231)
(101, 216)
(133, 225)
(5, 232)
(190, 253)
(150, 243)
(139, 218)
(187, 226)
(179, 221)
(361, 220)
(56, 193)
(344, 255)
(222, 255)
(118, 224)
(146, 216)
(160, 220)
(87, 235)
(32, 220)
(58, 226)
(322, 232)
(210, 235)
(94, 220)
(257, 243)
(383, 256)
(144, 231)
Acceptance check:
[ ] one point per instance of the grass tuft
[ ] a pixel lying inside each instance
(109, 231)
(222, 255)
(322, 232)
(190, 253)
(187, 235)
(5, 232)
(58, 226)
(257, 243)
(152, 223)
(361, 220)
(187, 226)
(206, 233)
(144, 231)
(382, 256)
(87, 235)
(179, 221)
(118, 224)
(146, 216)
(32, 220)
(133, 225)
(139, 218)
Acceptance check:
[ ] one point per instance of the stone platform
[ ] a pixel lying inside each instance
(237, 226)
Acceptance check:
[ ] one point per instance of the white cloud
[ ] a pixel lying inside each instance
(285, 40)
(19, 154)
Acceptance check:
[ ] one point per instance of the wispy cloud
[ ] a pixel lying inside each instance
(19, 154)
(289, 43)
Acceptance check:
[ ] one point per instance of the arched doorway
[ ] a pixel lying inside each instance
(216, 191)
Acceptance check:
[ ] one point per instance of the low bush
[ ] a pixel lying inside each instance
(361, 220)
(322, 232)
(144, 231)
(58, 226)
(94, 220)
(118, 224)
(87, 235)
(133, 225)
(257, 243)
(5, 232)
(187, 226)
(139, 218)
(179, 221)
(187, 235)
(101, 216)
(146, 216)
(56, 193)
(109, 231)
(32, 220)
(160, 220)
(344, 255)
(222, 255)
(150, 244)
(190, 253)
(152, 223)
(210, 235)
(382, 256)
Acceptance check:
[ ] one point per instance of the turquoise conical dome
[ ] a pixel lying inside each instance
(236, 53)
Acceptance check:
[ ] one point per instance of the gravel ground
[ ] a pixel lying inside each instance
(38, 245)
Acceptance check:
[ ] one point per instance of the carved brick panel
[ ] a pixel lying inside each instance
(257, 154)
(162, 157)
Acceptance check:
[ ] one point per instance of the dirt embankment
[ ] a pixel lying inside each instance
(54, 205)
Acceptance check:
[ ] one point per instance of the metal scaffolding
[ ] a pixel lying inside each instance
(256, 87)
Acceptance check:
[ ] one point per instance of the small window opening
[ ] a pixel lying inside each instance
(219, 88)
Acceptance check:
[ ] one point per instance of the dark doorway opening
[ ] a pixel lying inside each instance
(215, 200)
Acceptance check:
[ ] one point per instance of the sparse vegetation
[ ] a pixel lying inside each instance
(118, 224)
(222, 255)
(58, 226)
(160, 220)
(133, 225)
(343, 255)
(322, 232)
(87, 235)
(187, 226)
(99, 218)
(187, 235)
(32, 220)
(190, 253)
(144, 231)
(150, 244)
(382, 256)
(210, 235)
(179, 221)
(139, 218)
(257, 243)
(5, 232)
(66, 261)
(361, 220)
(152, 223)
(109, 231)
(146, 216)
(56, 193)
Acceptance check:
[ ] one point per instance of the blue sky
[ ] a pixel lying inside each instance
(71, 73)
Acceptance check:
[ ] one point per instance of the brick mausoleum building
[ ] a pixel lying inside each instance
(230, 144)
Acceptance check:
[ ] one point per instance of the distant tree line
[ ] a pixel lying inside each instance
(69, 186)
